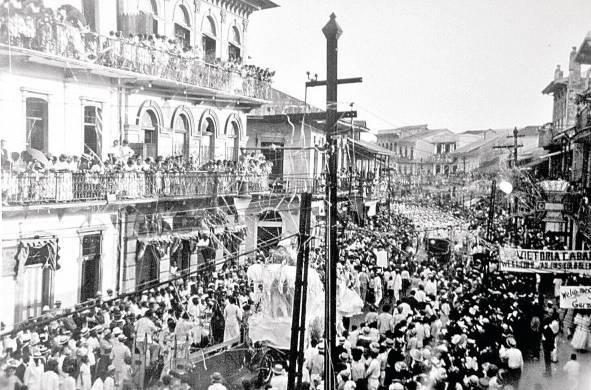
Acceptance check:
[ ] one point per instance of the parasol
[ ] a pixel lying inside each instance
(38, 155)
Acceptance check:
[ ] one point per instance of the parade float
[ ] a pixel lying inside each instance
(274, 283)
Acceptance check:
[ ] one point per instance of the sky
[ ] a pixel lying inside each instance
(456, 64)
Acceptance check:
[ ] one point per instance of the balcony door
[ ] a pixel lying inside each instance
(90, 266)
(93, 131)
(209, 40)
(234, 45)
(149, 126)
(36, 124)
(274, 155)
(182, 25)
(180, 135)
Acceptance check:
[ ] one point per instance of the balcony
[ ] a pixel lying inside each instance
(70, 187)
(58, 44)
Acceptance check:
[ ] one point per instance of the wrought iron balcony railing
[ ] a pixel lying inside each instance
(62, 187)
(68, 42)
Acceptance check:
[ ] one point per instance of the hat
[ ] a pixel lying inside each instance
(555, 326)
(45, 309)
(511, 342)
(416, 355)
(374, 347)
(321, 347)
(82, 351)
(216, 377)
(340, 340)
(117, 331)
(110, 368)
(84, 331)
(344, 356)
(483, 383)
(455, 339)
(396, 386)
(278, 369)
(399, 366)
(345, 373)
(365, 330)
(122, 337)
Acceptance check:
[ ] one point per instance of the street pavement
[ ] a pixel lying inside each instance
(533, 373)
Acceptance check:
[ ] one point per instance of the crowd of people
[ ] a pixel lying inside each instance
(33, 176)
(426, 324)
(429, 325)
(130, 341)
(65, 32)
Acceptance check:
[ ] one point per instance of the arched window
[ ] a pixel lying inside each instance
(36, 122)
(208, 126)
(269, 229)
(234, 44)
(149, 125)
(179, 138)
(209, 39)
(182, 25)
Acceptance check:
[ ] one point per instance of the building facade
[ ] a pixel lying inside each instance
(175, 91)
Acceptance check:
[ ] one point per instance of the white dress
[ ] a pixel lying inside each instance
(580, 338)
(349, 303)
(232, 317)
(33, 375)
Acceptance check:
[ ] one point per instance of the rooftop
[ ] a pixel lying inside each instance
(555, 85)
(402, 129)
(283, 103)
(431, 136)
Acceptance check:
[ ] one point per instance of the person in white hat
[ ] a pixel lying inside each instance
(279, 379)
(119, 353)
(374, 369)
(514, 360)
(217, 382)
(316, 363)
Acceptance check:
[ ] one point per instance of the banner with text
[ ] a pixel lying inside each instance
(575, 297)
(544, 261)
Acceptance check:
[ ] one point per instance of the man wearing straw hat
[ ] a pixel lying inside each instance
(514, 360)
(279, 379)
(216, 382)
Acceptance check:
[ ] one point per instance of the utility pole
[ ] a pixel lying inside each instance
(515, 146)
(298, 323)
(332, 31)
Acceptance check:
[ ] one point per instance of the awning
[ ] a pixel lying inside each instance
(369, 148)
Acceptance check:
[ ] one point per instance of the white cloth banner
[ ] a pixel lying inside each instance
(575, 297)
(544, 261)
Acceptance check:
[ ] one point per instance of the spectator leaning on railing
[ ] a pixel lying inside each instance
(32, 176)
(64, 33)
